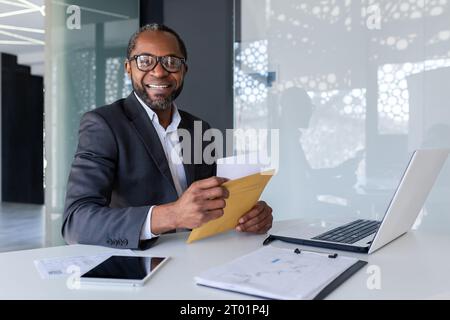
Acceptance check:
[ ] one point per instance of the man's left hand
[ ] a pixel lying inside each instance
(257, 220)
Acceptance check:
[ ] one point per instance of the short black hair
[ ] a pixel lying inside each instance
(155, 27)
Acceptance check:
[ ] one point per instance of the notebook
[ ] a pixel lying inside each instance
(285, 274)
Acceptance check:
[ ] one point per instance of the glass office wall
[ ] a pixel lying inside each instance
(86, 45)
(354, 86)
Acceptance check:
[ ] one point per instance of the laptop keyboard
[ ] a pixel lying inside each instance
(350, 233)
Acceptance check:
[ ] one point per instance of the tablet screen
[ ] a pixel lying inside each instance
(125, 267)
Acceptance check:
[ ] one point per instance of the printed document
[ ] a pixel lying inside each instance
(278, 273)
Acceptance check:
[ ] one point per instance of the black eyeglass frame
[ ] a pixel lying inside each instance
(159, 59)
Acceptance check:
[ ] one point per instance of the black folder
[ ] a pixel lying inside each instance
(340, 279)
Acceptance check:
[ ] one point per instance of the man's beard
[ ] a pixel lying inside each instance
(157, 104)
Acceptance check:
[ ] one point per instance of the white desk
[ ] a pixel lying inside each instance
(414, 266)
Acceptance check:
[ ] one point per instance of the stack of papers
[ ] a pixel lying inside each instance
(236, 167)
(277, 273)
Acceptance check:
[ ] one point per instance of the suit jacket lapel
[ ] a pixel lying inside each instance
(148, 135)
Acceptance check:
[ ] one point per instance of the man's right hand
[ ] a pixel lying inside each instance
(203, 201)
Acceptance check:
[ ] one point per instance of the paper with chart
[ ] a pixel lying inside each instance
(51, 268)
(277, 273)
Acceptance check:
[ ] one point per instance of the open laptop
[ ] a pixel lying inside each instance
(367, 236)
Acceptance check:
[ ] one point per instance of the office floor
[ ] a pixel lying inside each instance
(21, 226)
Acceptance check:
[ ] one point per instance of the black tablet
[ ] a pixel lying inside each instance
(123, 270)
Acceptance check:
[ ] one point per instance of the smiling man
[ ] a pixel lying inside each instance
(129, 182)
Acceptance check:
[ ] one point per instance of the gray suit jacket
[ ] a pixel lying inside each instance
(119, 171)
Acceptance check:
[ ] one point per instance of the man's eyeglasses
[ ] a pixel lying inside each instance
(148, 62)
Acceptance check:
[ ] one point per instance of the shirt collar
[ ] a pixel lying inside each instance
(176, 118)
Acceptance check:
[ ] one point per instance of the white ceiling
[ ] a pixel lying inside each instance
(28, 45)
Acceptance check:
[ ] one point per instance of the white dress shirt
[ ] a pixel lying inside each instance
(171, 144)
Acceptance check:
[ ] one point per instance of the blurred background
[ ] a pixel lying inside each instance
(354, 87)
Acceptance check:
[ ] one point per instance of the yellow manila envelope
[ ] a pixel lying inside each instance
(244, 193)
